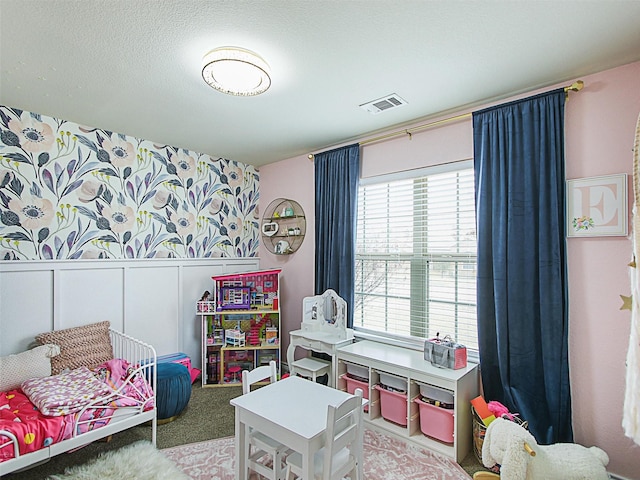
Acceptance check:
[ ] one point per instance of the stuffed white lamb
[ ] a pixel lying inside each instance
(504, 444)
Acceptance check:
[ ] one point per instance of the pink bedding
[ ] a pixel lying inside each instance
(115, 374)
(64, 394)
(32, 429)
(51, 410)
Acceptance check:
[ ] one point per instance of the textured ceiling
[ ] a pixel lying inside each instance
(133, 66)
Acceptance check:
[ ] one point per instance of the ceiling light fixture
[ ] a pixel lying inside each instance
(236, 71)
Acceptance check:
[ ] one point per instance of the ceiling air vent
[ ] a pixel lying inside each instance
(384, 103)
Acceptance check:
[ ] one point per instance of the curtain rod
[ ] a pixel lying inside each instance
(574, 87)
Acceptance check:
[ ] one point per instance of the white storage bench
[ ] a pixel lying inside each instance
(415, 375)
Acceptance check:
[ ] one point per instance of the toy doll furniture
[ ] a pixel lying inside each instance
(324, 330)
(339, 457)
(261, 444)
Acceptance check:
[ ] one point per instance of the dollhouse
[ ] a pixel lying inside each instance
(240, 325)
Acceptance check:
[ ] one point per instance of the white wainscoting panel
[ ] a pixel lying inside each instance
(153, 300)
(26, 307)
(152, 297)
(88, 296)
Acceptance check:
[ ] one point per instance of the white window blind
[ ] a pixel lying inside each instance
(416, 257)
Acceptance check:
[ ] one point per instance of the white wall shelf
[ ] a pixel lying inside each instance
(283, 226)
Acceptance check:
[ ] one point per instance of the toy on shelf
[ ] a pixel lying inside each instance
(234, 298)
(271, 336)
(216, 337)
(204, 304)
(257, 299)
(234, 371)
(234, 338)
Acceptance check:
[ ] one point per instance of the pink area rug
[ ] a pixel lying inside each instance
(385, 458)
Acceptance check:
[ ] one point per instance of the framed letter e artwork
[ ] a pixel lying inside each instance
(597, 206)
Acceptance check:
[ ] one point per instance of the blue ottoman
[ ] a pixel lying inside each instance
(173, 390)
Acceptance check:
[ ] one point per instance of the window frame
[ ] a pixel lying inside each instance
(415, 343)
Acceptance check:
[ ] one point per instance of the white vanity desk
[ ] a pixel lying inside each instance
(320, 342)
(324, 330)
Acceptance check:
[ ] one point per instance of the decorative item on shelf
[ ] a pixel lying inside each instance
(287, 212)
(283, 248)
(270, 228)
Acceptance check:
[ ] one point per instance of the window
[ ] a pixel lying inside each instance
(416, 256)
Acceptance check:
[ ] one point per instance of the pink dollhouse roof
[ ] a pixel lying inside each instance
(246, 274)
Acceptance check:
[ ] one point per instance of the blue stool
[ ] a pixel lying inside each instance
(173, 391)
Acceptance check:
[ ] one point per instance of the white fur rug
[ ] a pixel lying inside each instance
(139, 461)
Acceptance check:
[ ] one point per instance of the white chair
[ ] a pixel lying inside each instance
(262, 448)
(342, 451)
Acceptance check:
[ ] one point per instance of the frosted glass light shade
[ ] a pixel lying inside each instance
(236, 71)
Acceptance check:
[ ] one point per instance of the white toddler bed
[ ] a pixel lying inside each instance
(124, 398)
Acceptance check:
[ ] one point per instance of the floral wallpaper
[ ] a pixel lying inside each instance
(69, 191)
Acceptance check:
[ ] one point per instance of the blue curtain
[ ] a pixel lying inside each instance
(522, 279)
(337, 174)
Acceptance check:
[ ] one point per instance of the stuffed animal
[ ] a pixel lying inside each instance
(504, 443)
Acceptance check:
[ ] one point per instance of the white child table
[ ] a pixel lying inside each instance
(293, 412)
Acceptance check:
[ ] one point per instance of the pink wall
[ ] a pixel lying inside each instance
(599, 125)
(292, 179)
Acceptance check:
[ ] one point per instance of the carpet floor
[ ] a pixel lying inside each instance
(385, 458)
(208, 416)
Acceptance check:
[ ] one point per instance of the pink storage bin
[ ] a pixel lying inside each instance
(436, 422)
(352, 384)
(393, 406)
